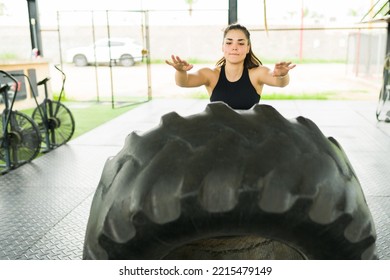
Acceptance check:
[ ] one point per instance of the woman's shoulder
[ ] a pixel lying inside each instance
(210, 71)
(210, 74)
(259, 74)
(259, 69)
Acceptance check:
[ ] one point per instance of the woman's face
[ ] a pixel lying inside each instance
(235, 46)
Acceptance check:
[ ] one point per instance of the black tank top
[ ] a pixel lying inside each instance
(239, 95)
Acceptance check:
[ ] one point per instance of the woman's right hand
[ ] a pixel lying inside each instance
(179, 64)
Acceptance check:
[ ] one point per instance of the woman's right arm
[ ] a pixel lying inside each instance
(185, 79)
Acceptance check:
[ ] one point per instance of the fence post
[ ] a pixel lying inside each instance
(35, 28)
(232, 11)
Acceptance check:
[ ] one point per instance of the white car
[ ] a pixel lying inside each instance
(122, 51)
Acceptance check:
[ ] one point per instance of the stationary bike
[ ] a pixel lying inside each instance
(20, 138)
(54, 119)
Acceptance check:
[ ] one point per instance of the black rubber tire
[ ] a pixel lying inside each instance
(126, 60)
(80, 60)
(225, 173)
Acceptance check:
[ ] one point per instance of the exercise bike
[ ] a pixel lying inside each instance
(54, 119)
(20, 138)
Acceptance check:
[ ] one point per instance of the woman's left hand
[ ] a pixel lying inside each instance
(281, 68)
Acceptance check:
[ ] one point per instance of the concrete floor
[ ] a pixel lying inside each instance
(44, 205)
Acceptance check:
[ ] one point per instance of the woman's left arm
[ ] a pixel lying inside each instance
(278, 77)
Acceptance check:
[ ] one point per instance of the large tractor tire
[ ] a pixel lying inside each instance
(225, 184)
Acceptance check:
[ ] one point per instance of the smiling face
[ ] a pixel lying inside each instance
(235, 46)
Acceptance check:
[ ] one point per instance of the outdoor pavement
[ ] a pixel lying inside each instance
(44, 206)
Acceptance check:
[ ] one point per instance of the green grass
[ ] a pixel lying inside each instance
(198, 95)
(8, 56)
(303, 61)
(88, 116)
(303, 96)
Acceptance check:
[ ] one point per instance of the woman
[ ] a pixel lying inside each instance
(238, 77)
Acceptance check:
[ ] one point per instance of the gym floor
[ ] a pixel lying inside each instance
(44, 205)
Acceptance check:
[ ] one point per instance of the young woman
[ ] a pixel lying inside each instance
(238, 77)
